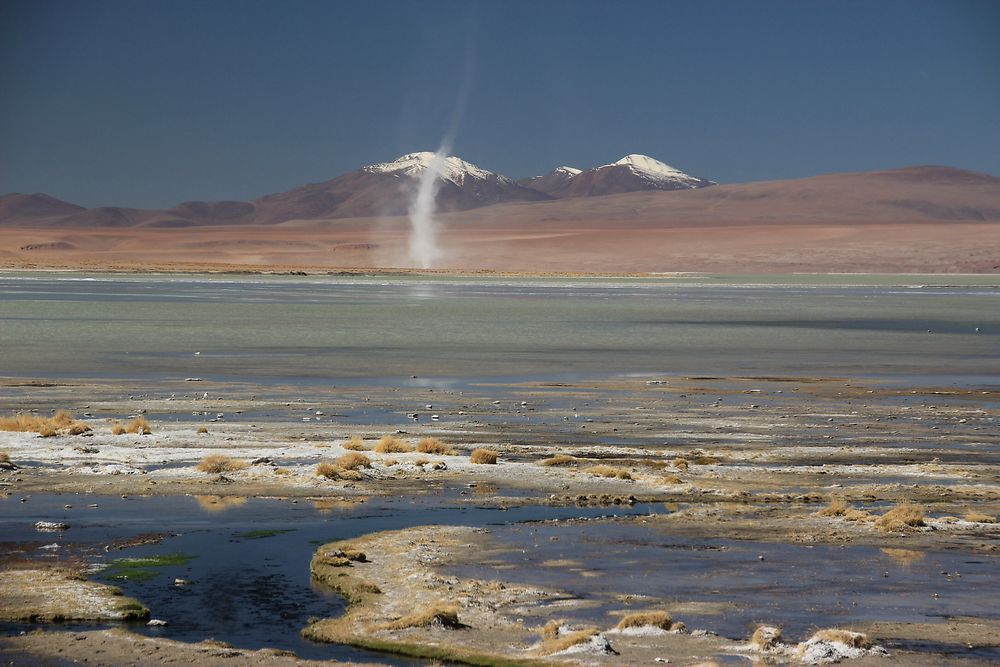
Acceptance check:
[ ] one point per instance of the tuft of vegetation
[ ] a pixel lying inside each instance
(46, 427)
(78, 429)
(334, 471)
(901, 517)
(974, 517)
(355, 444)
(390, 444)
(608, 471)
(852, 639)
(202, 430)
(118, 428)
(443, 615)
(4, 457)
(138, 425)
(766, 638)
(857, 515)
(558, 460)
(680, 463)
(217, 463)
(656, 619)
(837, 507)
(434, 446)
(554, 640)
(483, 456)
(353, 461)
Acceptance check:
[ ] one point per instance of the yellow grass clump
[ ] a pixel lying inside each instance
(61, 421)
(353, 461)
(852, 639)
(553, 641)
(837, 507)
(202, 430)
(217, 463)
(117, 428)
(138, 425)
(672, 480)
(766, 638)
(857, 515)
(334, 471)
(900, 517)
(390, 444)
(558, 460)
(4, 457)
(355, 444)
(608, 471)
(483, 456)
(656, 619)
(444, 615)
(434, 446)
(680, 463)
(979, 517)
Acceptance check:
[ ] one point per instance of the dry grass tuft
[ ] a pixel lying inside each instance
(680, 464)
(852, 639)
(117, 428)
(334, 471)
(553, 641)
(766, 638)
(857, 515)
(901, 517)
(217, 463)
(483, 456)
(353, 461)
(558, 460)
(4, 457)
(434, 446)
(25, 422)
(837, 507)
(672, 479)
(202, 430)
(78, 429)
(608, 471)
(355, 444)
(444, 615)
(656, 619)
(979, 517)
(138, 425)
(390, 444)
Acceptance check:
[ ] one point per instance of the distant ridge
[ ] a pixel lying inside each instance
(918, 193)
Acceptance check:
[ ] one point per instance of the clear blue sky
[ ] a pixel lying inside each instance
(148, 103)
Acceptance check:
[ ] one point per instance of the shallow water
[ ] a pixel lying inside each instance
(795, 587)
(252, 592)
(269, 330)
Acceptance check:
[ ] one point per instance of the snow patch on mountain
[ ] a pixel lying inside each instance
(453, 169)
(654, 171)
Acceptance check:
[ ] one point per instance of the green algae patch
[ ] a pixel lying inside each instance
(143, 568)
(260, 534)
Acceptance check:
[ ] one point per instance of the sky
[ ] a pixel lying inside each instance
(152, 102)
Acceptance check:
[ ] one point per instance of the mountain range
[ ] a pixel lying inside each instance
(376, 190)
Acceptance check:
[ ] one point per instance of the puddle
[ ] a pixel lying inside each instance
(796, 587)
(247, 559)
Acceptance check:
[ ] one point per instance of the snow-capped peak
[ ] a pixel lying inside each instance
(571, 171)
(656, 171)
(449, 168)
